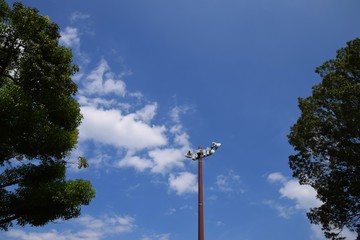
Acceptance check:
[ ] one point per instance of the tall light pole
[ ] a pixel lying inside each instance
(199, 155)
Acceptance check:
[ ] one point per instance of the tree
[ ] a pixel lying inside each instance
(39, 117)
(326, 138)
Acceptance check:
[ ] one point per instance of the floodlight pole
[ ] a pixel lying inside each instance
(199, 155)
(200, 197)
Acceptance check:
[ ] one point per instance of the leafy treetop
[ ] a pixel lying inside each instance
(326, 138)
(39, 121)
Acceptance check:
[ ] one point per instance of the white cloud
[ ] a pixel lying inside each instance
(282, 210)
(79, 16)
(220, 223)
(147, 113)
(182, 183)
(127, 126)
(110, 127)
(223, 184)
(170, 211)
(303, 195)
(167, 159)
(137, 95)
(160, 160)
(98, 102)
(177, 111)
(317, 233)
(20, 234)
(102, 81)
(182, 139)
(98, 160)
(70, 37)
(276, 177)
(108, 224)
(165, 236)
(136, 162)
(228, 182)
(133, 132)
(91, 228)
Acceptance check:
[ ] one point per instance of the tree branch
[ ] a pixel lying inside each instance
(8, 219)
(9, 158)
(10, 184)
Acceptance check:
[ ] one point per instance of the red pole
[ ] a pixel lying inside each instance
(200, 198)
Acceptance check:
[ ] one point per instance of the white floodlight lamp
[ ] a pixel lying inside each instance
(207, 152)
(204, 152)
(215, 145)
(189, 154)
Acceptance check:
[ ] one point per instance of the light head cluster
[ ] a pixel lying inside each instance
(203, 152)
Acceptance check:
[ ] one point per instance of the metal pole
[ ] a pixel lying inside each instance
(200, 198)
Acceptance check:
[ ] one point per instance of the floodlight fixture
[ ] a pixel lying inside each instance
(203, 152)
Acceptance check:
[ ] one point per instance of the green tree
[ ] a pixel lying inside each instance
(326, 138)
(38, 122)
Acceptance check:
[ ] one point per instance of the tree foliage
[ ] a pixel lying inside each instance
(326, 138)
(38, 121)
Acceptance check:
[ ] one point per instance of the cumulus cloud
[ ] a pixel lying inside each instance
(118, 122)
(113, 128)
(107, 122)
(276, 177)
(136, 162)
(304, 196)
(182, 139)
(162, 159)
(70, 37)
(102, 81)
(166, 159)
(108, 224)
(22, 235)
(183, 182)
(147, 113)
(90, 228)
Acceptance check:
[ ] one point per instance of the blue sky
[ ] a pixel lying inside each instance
(160, 77)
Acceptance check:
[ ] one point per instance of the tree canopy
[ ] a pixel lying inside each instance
(326, 138)
(39, 119)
